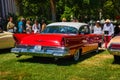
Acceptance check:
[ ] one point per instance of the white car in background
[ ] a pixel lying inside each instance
(6, 40)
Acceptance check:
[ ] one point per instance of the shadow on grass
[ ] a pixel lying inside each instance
(4, 51)
(60, 62)
(116, 62)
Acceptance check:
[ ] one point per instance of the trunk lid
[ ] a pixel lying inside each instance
(40, 39)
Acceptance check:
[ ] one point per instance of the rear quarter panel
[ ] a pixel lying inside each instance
(18, 37)
(91, 42)
(74, 43)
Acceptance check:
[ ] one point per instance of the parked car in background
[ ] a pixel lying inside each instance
(59, 39)
(6, 40)
(114, 47)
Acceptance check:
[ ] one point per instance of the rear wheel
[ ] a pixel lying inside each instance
(97, 50)
(76, 56)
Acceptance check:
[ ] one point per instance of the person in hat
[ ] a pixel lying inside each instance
(97, 28)
(108, 31)
(63, 19)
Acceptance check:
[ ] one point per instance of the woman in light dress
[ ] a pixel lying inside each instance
(28, 27)
(36, 27)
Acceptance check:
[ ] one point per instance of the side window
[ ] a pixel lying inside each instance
(84, 29)
(72, 30)
(62, 29)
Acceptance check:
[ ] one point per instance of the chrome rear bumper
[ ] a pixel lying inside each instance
(42, 53)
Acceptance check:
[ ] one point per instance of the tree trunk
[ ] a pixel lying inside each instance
(53, 9)
(19, 6)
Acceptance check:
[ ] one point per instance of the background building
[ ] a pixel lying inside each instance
(6, 7)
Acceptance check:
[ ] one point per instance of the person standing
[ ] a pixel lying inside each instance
(43, 25)
(108, 30)
(21, 26)
(64, 20)
(36, 27)
(97, 28)
(28, 27)
(117, 29)
(10, 25)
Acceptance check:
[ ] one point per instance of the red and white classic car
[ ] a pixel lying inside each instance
(114, 48)
(59, 39)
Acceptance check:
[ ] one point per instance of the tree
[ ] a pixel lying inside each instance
(116, 4)
(53, 9)
(56, 9)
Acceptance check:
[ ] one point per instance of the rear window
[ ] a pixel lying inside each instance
(60, 29)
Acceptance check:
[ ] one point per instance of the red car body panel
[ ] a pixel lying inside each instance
(55, 40)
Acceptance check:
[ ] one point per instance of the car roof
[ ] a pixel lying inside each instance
(72, 24)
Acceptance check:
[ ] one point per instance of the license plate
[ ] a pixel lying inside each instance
(38, 48)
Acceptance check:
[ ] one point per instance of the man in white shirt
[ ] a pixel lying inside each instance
(108, 30)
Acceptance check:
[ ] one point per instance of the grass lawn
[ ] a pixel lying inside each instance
(92, 66)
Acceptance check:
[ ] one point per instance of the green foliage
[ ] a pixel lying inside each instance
(67, 13)
(86, 1)
(108, 6)
(66, 8)
(33, 8)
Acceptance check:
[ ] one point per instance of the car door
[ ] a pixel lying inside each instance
(89, 43)
(93, 44)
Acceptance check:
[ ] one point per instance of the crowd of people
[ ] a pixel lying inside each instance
(25, 26)
(108, 30)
